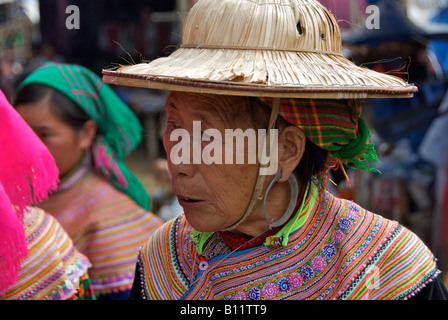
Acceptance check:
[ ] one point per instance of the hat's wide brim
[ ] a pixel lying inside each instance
(261, 73)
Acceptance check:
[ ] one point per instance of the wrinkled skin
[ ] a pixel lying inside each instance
(215, 196)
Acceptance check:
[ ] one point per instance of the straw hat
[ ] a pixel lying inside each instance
(261, 48)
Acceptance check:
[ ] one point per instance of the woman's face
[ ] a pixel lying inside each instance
(65, 144)
(213, 196)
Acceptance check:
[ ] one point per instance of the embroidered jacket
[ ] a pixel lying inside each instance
(53, 269)
(105, 224)
(342, 251)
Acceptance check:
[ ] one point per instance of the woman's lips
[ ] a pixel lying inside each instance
(188, 202)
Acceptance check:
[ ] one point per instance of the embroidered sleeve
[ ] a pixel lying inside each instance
(160, 264)
(404, 266)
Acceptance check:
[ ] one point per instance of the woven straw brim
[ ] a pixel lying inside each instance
(261, 73)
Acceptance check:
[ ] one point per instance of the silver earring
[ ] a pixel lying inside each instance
(292, 203)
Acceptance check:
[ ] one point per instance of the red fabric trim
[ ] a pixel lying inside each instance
(241, 242)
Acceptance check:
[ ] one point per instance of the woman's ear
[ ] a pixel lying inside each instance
(87, 134)
(291, 144)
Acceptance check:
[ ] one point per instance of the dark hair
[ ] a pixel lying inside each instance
(314, 157)
(64, 107)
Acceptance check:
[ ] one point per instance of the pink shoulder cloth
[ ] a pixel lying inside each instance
(28, 173)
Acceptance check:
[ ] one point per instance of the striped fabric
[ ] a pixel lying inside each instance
(330, 124)
(335, 126)
(342, 252)
(105, 224)
(394, 265)
(53, 268)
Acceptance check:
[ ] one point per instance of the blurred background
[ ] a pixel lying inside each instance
(410, 40)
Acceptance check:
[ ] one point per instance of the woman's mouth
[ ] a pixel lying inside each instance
(187, 202)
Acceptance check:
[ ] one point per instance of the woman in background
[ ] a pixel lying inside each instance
(100, 203)
(37, 258)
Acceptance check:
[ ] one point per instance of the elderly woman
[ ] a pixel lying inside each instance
(251, 233)
(99, 202)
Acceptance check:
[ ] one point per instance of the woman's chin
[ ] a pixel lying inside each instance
(204, 222)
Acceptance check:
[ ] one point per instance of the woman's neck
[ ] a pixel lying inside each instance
(276, 205)
(75, 174)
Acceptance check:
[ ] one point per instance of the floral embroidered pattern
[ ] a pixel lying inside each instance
(295, 279)
(309, 269)
(328, 251)
(345, 223)
(254, 294)
(318, 263)
(307, 273)
(240, 296)
(269, 290)
(338, 236)
(283, 285)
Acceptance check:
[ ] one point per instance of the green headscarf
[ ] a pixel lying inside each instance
(335, 126)
(119, 130)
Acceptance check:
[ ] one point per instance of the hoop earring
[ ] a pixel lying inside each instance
(292, 202)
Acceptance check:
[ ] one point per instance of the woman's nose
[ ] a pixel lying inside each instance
(181, 169)
(180, 161)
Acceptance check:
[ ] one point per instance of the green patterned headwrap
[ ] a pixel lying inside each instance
(119, 131)
(335, 126)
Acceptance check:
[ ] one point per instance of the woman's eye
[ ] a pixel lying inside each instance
(43, 135)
